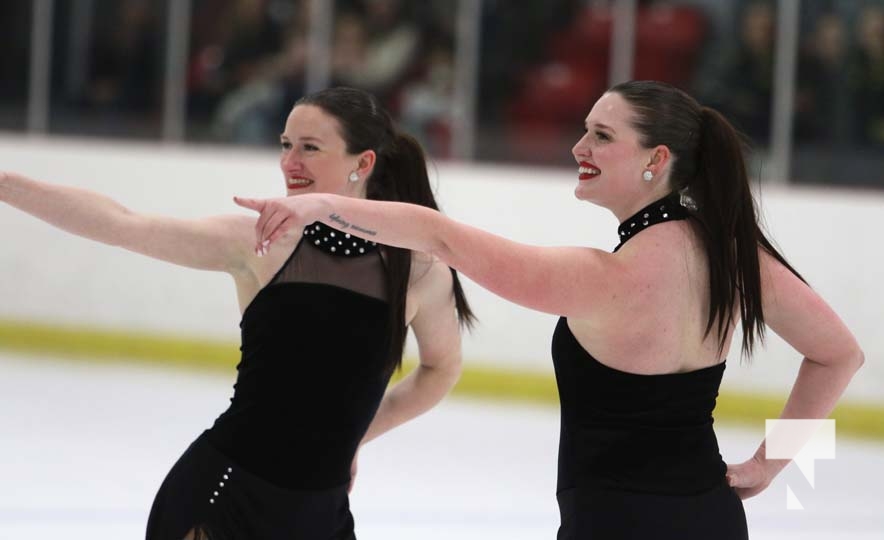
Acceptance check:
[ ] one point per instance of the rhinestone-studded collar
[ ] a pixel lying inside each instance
(668, 208)
(335, 242)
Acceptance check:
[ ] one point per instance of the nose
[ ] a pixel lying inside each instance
(581, 148)
(290, 161)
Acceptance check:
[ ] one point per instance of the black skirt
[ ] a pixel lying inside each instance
(588, 514)
(206, 495)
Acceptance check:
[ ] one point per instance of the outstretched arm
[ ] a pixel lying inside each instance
(217, 243)
(568, 281)
(831, 358)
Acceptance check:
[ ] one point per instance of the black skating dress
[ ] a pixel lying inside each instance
(314, 367)
(638, 458)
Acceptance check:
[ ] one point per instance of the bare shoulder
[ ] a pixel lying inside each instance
(660, 255)
(782, 291)
(655, 276)
(429, 289)
(799, 315)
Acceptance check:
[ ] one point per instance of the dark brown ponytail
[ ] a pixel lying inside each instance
(709, 169)
(728, 225)
(400, 174)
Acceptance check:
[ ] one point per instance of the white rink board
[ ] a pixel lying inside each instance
(830, 236)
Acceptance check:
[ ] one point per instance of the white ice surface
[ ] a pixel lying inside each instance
(83, 448)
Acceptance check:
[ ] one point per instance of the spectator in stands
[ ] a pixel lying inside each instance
(867, 76)
(741, 82)
(266, 73)
(821, 97)
(427, 106)
(382, 41)
(125, 68)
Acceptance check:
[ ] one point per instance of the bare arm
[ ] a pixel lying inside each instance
(437, 332)
(566, 281)
(217, 243)
(831, 357)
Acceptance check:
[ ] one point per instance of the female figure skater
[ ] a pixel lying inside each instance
(324, 320)
(639, 348)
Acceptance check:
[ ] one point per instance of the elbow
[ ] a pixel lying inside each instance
(453, 377)
(449, 373)
(125, 223)
(859, 358)
(855, 355)
(852, 358)
(456, 371)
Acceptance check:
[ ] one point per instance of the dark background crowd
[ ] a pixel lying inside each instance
(541, 65)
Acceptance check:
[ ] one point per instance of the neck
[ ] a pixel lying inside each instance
(666, 208)
(640, 201)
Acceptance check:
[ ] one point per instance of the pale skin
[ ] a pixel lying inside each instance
(314, 160)
(642, 309)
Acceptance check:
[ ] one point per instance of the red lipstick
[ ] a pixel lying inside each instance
(586, 175)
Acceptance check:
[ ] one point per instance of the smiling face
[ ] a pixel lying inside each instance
(314, 156)
(611, 159)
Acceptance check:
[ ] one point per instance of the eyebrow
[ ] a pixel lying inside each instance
(306, 138)
(603, 126)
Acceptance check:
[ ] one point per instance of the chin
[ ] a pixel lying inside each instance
(583, 194)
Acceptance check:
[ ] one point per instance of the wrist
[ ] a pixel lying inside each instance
(327, 209)
(324, 207)
(771, 466)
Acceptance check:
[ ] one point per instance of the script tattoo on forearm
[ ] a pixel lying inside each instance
(344, 224)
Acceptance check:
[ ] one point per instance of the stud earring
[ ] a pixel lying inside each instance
(647, 176)
(353, 177)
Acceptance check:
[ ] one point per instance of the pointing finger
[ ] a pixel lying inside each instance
(252, 204)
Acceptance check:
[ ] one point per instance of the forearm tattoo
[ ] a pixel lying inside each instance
(344, 224)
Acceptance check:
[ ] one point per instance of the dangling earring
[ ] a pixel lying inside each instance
(647, 176)
(353, 177)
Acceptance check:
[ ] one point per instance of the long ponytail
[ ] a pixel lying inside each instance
(709, 170)
(400, 174)
(725, 212)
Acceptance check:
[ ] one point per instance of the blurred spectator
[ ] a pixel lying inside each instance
(349, 40)
(262, 64)
(821, 97)
(740, 85)
(15, 17)
(231, 39)
(515, 37)
(257, 72)
(668, 42)
(375, 46)
(427, 104)
(516, 67)
(867, 76)
(125, 70)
